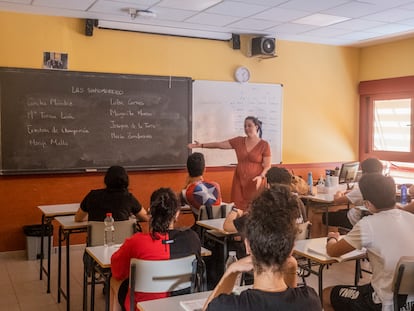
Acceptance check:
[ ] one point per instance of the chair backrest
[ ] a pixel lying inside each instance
(212, 212)
(123, 229)
(403, 282)
(303, 231)
(158, 276)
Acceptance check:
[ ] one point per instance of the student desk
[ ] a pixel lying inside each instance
(317, 201)
(170, 303)
(217, 233)
(306, 248)
(67, 226)
(173, 303)
(49, 212)
(101, 256)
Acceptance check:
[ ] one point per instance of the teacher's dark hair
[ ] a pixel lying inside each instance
(116, 178)
(256, 122)
(164, 206)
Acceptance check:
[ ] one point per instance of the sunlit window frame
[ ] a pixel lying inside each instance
(384, 89)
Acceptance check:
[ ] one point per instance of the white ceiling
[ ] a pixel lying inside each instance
(354, 23)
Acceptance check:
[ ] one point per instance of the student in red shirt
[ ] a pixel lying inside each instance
(162, 242)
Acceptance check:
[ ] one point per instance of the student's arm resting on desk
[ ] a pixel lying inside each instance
(409, 207)
(226, 284)
(142, 215)
(81, 215)
(228, 224)
(336, 247)
(340, 198)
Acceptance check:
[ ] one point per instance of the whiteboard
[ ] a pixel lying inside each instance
(219, 110)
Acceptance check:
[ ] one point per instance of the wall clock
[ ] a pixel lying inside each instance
(242, 74)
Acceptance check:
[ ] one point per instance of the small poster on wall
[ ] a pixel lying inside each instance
(54, 60)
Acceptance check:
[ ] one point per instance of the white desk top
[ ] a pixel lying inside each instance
(315, 249)
(68, 222)
(214, 224)
(59, 209)
(173, 303)
(102, 254)
(319, 197)
(170, 303)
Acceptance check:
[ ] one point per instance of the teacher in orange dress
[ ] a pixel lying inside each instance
(253, 161)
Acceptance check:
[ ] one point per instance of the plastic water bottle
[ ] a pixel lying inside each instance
(404, 194)
(310, 183)
(109, 231)
(230, 259)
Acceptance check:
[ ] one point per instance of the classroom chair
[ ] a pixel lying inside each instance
(95, 237)
(158, 276)
(403, 281)
(212, 212)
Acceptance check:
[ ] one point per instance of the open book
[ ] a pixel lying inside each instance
(320, 249)
(193, 305)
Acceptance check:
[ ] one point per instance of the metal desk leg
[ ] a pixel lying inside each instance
(357, 271)
(67, 234)
(41, 246)
(225, 252)
(85, 285)
(108, 289)
(93, 289)
(60, 263)
(45, 223)
(320, 280)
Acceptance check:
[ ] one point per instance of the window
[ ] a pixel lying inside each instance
(386, 118)
(391, 128)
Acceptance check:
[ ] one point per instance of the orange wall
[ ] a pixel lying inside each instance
(387, 60)
(320, 103)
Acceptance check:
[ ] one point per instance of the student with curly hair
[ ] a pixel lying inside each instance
(270, 236)
(162, 242)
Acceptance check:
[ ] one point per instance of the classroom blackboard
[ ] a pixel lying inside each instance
(219, 110)
(66, 121)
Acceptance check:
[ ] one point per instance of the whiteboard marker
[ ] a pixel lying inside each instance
(91, 170)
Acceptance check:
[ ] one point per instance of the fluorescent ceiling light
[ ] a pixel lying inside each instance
(182, 32)
(320, 20)
(191, 5)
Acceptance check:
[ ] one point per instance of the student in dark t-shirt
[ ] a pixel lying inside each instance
(115, 199)
(270, 236)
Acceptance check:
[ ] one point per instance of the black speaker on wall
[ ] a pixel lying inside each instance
(89, 23)
(235, 39)
(263, 46)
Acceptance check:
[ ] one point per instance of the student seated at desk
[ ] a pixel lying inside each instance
(115, 199)
(386, 235)
(347, 218)
(270, 236)
(198, 191)
(275, 177)
(162, 242)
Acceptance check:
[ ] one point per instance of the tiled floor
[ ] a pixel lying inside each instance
(21, 289)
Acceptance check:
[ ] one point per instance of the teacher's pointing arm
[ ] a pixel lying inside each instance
(214, 145)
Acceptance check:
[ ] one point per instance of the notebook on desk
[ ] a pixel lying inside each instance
(320, 249)
(193, 305)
